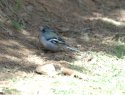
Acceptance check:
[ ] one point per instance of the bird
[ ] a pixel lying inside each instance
(52, 41)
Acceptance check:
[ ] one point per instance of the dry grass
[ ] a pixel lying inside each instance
(101, 59)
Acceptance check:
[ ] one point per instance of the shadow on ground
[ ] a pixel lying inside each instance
(22, 51)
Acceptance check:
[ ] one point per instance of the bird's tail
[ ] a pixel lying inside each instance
(71, 48)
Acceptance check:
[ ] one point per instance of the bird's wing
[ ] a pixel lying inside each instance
(54, 37)
(63, 45)
(56, 41)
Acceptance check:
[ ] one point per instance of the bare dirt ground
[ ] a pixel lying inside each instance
(20, 52)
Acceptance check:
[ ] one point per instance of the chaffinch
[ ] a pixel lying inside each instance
(50, 40)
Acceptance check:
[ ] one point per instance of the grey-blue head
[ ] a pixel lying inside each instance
(45, 29)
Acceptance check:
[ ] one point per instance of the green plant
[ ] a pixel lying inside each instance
(119, 51)
(18, 5)
(17, 25)
(9, 91)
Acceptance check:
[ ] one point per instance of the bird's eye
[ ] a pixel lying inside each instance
(43, 30)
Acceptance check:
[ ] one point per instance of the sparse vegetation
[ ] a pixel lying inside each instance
(119, 51)
(17, 25)
(13, 8)
(18, 5)
(8, 91)
(101, 60)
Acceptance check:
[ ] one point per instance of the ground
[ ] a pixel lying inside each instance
(95, 27)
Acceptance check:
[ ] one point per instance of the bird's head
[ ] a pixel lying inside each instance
(45, 29)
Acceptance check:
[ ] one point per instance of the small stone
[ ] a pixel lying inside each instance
(85, 37)
(47, 69)
(9, 32)
(30, 8)
(1, 91)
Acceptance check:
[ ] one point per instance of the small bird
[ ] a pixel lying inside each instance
(52, 41)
